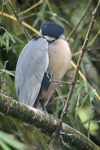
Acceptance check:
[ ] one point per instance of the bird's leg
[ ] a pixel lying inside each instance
(44, 107)
(39, 105)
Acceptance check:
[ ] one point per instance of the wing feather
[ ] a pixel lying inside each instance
(31, 66)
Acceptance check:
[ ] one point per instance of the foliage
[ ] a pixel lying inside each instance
(85, 101)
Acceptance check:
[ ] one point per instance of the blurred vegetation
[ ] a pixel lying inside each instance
(84, 111)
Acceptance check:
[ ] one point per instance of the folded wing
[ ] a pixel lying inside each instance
(31, 66)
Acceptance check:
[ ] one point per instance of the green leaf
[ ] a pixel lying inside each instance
(9, 86)
(7, 40)
(3, 145)
(92, 94)
(1, 65)
(86, 86)
(50, 13)
(85, 82)
(43, 6)
(3, 41)
(59, 109)
(80, 86)
(85, 60)
(84, 100)
(73, 101)
(64, 20)
(7, 71)
(11, 141)
(37, 20)
(16, 45)
(11, 37)
(82, 68)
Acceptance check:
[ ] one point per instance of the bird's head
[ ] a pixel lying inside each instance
(51, 31)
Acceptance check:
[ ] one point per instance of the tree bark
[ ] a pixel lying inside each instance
(46, 122)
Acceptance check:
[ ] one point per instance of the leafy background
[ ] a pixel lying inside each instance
(84, 112)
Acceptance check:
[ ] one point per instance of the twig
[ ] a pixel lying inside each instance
(1, 12)
(80, 20)
(79, 61)
(33, 6)
(68, 113)
(19, 21)
(60, 81)
(47, 1)
(94, 38)
(89, 123)
(23, 22)
(2, 78)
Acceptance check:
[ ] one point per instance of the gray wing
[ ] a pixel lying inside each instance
(31, 66)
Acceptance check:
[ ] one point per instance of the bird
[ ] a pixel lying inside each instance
(43, 60)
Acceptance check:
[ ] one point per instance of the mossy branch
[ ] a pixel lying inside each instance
(46, 122)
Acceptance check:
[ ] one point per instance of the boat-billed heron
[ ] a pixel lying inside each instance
(42, 60)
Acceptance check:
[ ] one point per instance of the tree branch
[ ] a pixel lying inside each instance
(84, 14)
(79, 61)
(46, 122)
